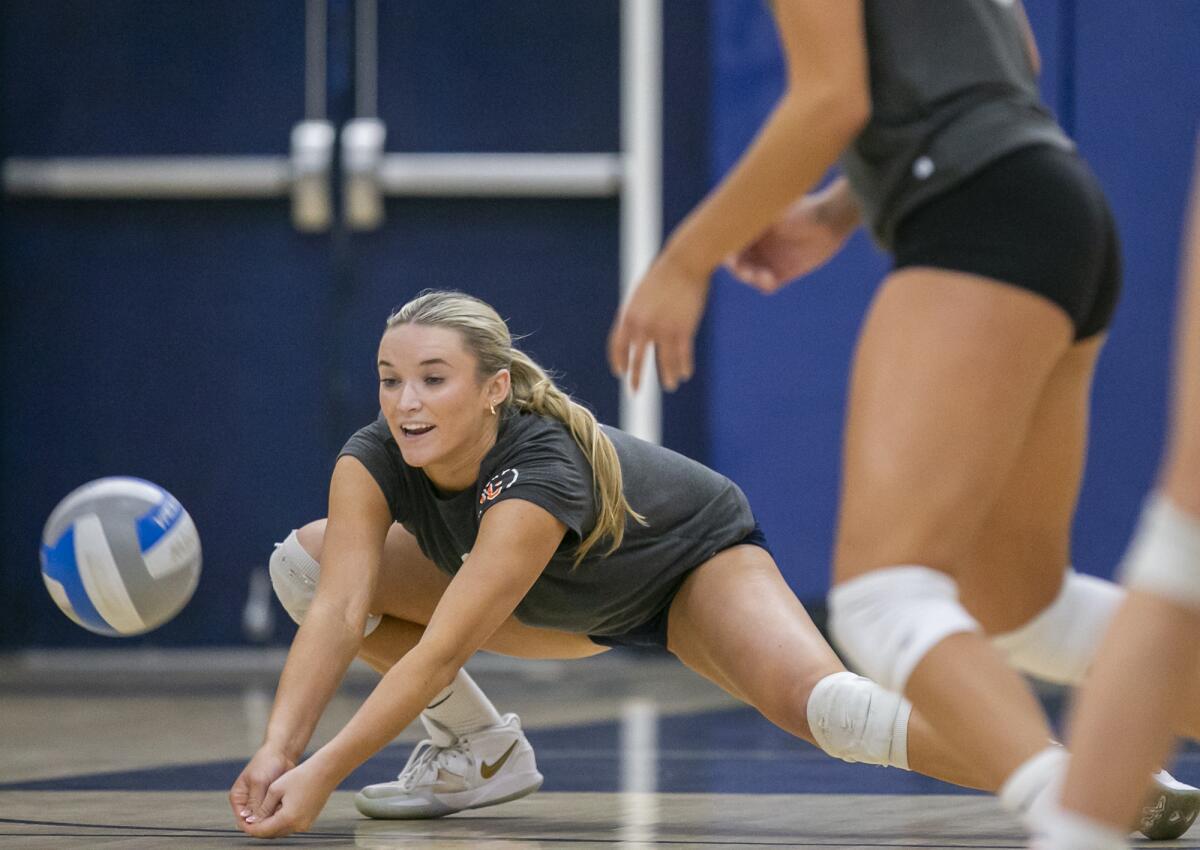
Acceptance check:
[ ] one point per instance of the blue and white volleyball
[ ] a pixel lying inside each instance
(120, 556)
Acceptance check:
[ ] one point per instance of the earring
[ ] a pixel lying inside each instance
(493, 406)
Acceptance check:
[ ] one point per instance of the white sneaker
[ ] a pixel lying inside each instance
(446, 774)
(1169, 809)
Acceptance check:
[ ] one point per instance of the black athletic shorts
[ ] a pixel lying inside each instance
(653, 632)
(1035, 218)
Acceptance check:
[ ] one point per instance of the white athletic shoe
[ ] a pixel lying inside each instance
(1169, 809)
(446, 774)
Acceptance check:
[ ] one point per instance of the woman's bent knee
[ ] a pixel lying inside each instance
(855, 720)
(294, 576)
(295, 572)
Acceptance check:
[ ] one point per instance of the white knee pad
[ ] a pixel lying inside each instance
(1164, 557)
(855, 720)
(1058, 645)
(887, 620)
(294, 575)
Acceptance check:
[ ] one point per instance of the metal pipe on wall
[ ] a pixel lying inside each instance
(641, 195)
(315, 35)
(501, 175)
(313, 139)
(148, 177)
(363, 136)
(597, 175)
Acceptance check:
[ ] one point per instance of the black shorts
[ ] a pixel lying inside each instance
(653, 632)
(1035, 218)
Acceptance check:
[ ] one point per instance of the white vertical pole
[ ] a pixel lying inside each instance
(641, 192)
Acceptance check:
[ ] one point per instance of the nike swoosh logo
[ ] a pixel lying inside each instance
(487, 771)
(439, 702)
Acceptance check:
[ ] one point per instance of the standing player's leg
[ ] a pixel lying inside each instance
(1122, 726)
(1012, 574)
(1136, 690)
(737, 623)
(1045, 623)
(947, 381)
(1014, 570)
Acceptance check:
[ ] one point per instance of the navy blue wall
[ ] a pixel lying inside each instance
(209, 347)
(157, 339)
(1122, 74)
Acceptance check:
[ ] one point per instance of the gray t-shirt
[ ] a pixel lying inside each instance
(692, 512)
(952, 90)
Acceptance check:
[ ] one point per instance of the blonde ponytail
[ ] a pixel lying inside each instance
(533, 390)
(487, 336)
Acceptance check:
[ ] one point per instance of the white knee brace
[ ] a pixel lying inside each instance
(855, 720)
(887, 620)
(1164, 557)
(294, 575)
(1058, 645)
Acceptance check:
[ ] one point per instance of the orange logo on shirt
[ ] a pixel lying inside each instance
(497, 485)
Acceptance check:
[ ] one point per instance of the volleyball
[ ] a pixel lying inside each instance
(120, 556)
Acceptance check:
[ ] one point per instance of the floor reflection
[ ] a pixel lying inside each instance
(639, 774)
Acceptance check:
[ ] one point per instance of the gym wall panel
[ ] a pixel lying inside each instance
(142, 77)
(1137, 94)
(687, 77)
(539, 75)
(182, 344)
(180, 341)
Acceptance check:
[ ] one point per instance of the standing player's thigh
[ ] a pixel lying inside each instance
(736, 622)
(947, 376)
(1017, 561)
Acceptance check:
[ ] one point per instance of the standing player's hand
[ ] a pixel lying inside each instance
(292, 803)
(665, 312)
(250, 789)
(802, 240)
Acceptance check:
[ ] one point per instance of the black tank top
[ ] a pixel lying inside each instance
(952, 89)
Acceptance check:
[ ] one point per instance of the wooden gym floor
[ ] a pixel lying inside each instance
(137, 750)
